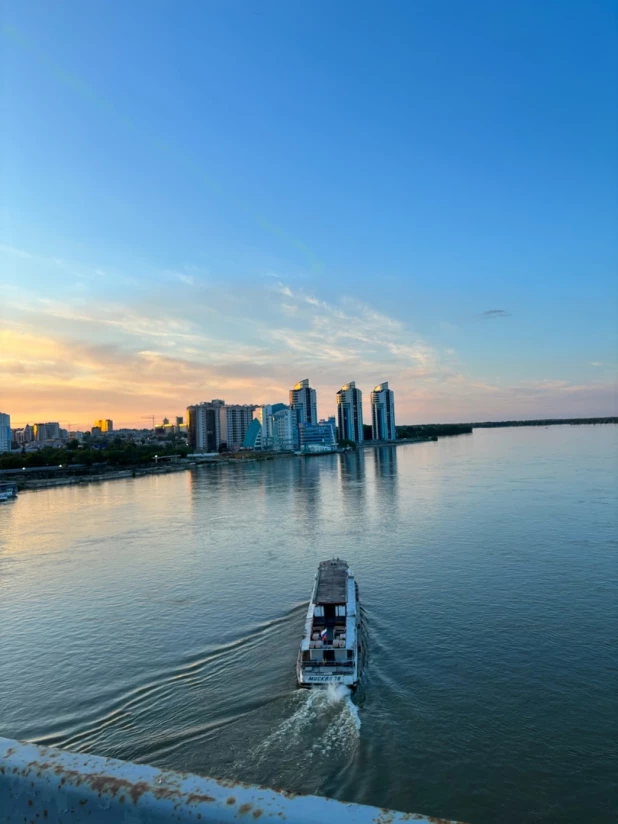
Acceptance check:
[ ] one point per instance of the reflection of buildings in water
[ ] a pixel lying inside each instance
(204, 477)
(238, 475)
(307, 487)
(246, 498)
(386, 481)
(273, 478)
(386, 461)
(352, 477)
(278, 485)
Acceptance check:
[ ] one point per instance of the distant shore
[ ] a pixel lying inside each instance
(546, 422)
(66, 477)
(47, 477)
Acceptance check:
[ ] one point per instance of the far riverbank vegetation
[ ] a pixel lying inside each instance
(118, 454)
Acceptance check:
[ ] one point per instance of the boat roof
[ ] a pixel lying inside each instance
(332, 582)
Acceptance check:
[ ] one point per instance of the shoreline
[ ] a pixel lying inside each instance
(64, 478)
(81, 480)
(26, 483)
(35, 484)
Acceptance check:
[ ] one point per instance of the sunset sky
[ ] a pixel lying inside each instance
(217, 199)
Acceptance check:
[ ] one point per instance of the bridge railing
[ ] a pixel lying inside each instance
(43, 785)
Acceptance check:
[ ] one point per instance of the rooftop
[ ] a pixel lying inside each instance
(332, 582)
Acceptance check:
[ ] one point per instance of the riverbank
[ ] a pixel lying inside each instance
(28, 484)
(68, 477)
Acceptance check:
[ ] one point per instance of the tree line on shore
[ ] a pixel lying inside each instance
(433, 430)
(116, 454)
(544, 422)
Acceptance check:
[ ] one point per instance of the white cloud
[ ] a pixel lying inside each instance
(251, 344)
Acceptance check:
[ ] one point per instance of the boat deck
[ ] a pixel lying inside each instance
(332, 583)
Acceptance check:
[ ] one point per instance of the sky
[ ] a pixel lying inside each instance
(218, 199)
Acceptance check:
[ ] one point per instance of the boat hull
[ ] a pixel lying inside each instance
(308, 680)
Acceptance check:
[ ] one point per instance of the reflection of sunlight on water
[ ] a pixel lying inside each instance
(325, 721)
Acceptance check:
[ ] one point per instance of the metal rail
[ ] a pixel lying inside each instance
(42, 785)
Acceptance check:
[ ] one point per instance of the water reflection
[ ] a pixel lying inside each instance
(352, 479)
(386, 480)
(307, 489)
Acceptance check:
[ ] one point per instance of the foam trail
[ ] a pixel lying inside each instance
(343, 730)
(324, 721)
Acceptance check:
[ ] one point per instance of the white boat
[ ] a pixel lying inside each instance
(329, 651)
(8, 491)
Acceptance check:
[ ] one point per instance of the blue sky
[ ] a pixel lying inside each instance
(206, 199)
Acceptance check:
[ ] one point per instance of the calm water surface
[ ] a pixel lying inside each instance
(158, 619)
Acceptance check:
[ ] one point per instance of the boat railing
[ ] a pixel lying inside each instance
(341, 667)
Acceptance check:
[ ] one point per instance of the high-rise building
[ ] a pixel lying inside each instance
(234, 420)
(383, 414)
(203, 425)
(279, 430)
(318, 436)
(350, 413)
(303, 401)
(284, 429)
(5, 432)
(105, 425)
(265, 415)
(47, 431)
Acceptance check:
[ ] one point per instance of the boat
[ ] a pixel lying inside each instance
(330, 650)
(8, 491)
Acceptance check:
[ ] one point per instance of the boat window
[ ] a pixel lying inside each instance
(340, 611)
(319, 612)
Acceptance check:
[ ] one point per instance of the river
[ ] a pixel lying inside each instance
(158, 619)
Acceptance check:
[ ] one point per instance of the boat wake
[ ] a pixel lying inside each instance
(323, 722)
(142, 705)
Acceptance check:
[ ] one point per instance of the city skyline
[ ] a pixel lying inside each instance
(211, 424)
(325, 410)
(302, 398)
(426, 203)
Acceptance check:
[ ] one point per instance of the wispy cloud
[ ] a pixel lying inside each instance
(83, 356)
(491, 314)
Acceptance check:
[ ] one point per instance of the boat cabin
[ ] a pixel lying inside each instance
(330, 633)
